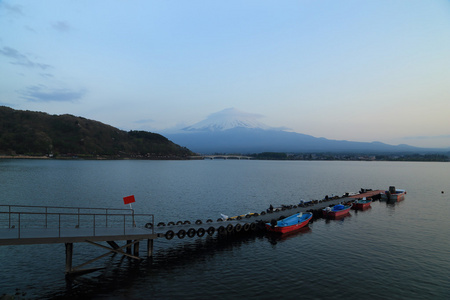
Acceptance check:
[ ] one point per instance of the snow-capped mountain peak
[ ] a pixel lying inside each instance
(227, 119)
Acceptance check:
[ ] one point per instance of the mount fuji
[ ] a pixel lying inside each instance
(227, 119)
(234, 131)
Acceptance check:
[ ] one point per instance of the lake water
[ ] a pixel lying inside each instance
(395, 251)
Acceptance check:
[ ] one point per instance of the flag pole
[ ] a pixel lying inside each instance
(129, 200)
(132, 213)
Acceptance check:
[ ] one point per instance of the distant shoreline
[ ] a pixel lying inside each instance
(201, 157)
(23, 156)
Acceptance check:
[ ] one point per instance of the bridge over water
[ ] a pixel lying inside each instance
(229, 156)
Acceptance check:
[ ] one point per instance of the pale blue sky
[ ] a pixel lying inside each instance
(355, 70)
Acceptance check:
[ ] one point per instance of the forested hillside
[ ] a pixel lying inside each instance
(37, 133)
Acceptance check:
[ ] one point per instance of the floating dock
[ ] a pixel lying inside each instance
(29, 225)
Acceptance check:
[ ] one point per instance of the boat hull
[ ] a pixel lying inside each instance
(336, 213)
(393, 197)
(290, 228)
(361, 205)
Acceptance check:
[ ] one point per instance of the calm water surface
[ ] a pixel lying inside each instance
(398, 251)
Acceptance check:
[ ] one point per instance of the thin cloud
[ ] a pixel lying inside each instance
(422, 137)
(144, 121)
(14, 9)
(21, 59)
(61, 26)
(46, 75)
(43, 94)
(29, 28)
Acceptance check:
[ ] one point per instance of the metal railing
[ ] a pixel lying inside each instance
(56, 217)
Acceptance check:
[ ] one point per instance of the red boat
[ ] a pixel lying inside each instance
(290, 223)
(336, 211)
(362, 203)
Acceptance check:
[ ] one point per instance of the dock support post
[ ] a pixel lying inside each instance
(69, 254)
(149, 248)
(136, 249)
(129, 247)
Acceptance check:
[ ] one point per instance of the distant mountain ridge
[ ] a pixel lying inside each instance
(38, 133)
(232, 131)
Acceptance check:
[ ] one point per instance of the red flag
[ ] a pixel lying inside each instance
(128, 199)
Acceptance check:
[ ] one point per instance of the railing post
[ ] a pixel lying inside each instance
(78, 217)
(19, 225)
(94, 224)
(9, 216)
(46, 217)
(124, 224)
(69, 254)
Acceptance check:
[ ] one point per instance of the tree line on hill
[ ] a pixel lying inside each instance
(38, 134)
(441, 157)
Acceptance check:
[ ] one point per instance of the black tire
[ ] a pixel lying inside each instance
(219, 220)
(253, 226)
(230, 228)
(169, 234)
(239, 218)
(263, 213)
(211, 230)
(181, 234)
(273, 222)
(187, 222)
(149, 225)
(221, 230)
(198, 222)
(200, 232)
(277, 210)
(170, 223)
(161, 224)
(248, 216)
(238, 227)
(246, 227)
(209, 221)
(191, 232)
(179, 222)
(261, 225)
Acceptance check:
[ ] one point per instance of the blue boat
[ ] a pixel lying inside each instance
(337, 210)
(290, 223)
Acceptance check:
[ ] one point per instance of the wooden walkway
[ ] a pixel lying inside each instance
(30, 236)
(367, 194)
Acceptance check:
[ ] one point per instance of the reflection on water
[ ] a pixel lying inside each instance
(275, 237)
(122, 271)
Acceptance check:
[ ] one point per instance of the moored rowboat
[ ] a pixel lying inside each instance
(393, 194)
(362, 203)
(336, 211)
(290, 223)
